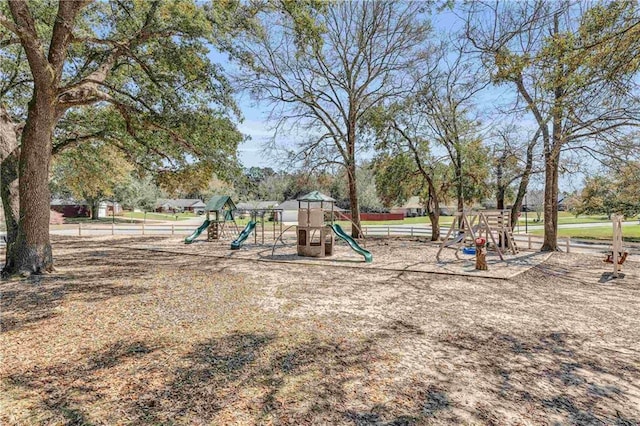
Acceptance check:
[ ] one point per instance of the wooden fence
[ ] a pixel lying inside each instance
(524, 241)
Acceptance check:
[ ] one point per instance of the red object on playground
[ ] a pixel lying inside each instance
(480, 241)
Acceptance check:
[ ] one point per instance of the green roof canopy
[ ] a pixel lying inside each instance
(316, 196)
(220, 202)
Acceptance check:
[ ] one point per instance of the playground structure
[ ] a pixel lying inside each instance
(220, 222)
(315, 238)
(257, 217)
(617, 255)
(491, 226)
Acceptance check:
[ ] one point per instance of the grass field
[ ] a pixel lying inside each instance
(630, 233)
(158, 216)
(88, 220)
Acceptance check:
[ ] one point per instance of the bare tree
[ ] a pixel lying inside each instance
(325, 85)
(575, 68)
(447, 98)
(405, 152)
(514, 161)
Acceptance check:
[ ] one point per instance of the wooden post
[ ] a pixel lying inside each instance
(568, 244)
(79, 229)
(481, 255)
(616, 245)
(142, 228)
(388, 231)
(529, 241)
(172, 229)
(113, 228)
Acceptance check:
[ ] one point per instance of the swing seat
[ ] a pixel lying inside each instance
(621, 257)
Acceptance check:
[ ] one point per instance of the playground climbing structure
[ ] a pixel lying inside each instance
(220, 223)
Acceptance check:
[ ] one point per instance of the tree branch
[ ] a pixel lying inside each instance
(62, 33)
(25, 28)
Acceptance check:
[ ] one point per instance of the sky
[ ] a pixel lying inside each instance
(257, 127)
(259, 131)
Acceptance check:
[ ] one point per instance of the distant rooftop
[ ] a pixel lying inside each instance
(316, 196)
(256, 205)
(180, 202)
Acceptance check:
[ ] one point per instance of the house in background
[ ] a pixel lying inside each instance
(244, 208)
(180, 205)
(70, 207)
(412, 208)
(109, 208)
(289, 210)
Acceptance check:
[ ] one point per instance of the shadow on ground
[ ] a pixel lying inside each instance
(254, 378)
(91, 274)
(552, 375)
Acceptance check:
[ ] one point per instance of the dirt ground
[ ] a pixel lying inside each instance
(146, 330)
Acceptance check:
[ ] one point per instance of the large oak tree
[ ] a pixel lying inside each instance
(575, 67)
(135, 74)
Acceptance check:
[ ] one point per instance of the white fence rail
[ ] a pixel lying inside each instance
(524, 241)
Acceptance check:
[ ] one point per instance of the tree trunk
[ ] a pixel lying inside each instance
(459, 186)
(552, 157)
(500, 197)
(9, 159)
(353, 201)
(94, 204)
(32, 253)
(524, 184)
(500, 187)
(351, 174)
(433, 209)
(550, 242)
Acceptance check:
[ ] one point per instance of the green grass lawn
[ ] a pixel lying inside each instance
(630, 233)
(563, 218)
(159, 216)
(88, 220)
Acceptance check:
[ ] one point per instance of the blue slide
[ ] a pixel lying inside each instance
(235, 245)
(197, 232)
(368, 257)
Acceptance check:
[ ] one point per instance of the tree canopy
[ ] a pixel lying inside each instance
(134, 74)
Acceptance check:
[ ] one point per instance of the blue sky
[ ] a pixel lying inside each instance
(255, 125)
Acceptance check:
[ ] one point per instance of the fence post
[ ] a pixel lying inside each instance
(79, 229)
(172, 230)
(529, 241)
(142, 228)
(568, 244)
(113, 228)
(388, 231)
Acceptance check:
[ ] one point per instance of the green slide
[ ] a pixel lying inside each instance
(235, 245)
(352, 243)
(197, 232)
